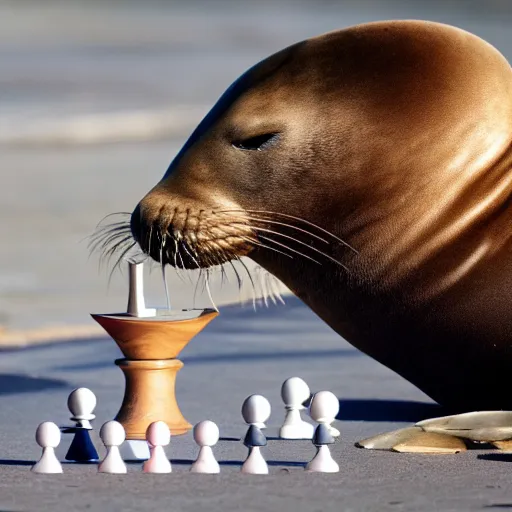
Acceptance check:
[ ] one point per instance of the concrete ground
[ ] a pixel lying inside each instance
(240, 353)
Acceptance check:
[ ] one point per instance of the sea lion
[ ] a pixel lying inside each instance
(369, 169)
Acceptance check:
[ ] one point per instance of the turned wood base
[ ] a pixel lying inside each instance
(150, 347)
(150, 396)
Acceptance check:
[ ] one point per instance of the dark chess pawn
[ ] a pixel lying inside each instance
(255, 464)
(323, 462)
(81, 403)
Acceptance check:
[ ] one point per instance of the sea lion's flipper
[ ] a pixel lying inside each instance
(430, 442)
(477, 426)
(387, 440)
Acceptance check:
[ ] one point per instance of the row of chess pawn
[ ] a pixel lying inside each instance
(323, 407)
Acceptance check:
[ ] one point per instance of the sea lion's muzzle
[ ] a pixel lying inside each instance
(187, 234)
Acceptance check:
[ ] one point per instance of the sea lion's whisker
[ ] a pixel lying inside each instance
(98, 237)
(164, 277)
(112, 226)
(264, 290)
(239, 280)
(107, 254)
(208, 289)
(118, 262)
(252, 282)
(308, 246)
(111, 215)
(299, 219)
(270, 291)
(150, 241)
(277, 293)
(195, 288)
(287, 247)
(259, 244)
(180, 257)
(175, 253)
(113, 243)
(190, 255)
(284, 224)
(291, 238)
(268, 279)
(104, 243)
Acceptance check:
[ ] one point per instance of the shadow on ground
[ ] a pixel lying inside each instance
(388, 410)
(239, 357)
(289, 463)
(14, 462)
(12, 383)
(498, 457)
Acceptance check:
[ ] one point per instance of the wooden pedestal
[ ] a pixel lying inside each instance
(150, 346)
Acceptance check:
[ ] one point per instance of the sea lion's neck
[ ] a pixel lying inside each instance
(441, 232)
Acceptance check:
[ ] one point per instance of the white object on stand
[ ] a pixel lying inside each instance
(136, 303)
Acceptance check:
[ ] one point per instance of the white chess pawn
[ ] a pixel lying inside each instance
(158, 435)
(113, 435)
(206, 435)
(323, 408)
(255, 464)
(294, 393)
(256, 410)
(322, 462)
(48, 438)
(81, 404)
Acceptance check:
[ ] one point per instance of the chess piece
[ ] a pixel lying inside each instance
(294, 393)
(112, 434)
(150, 346)
(323, 408)
(256, 410)
(136, 304)
(322, 462)
(81, 404)
(48, 438)
(158, 435)
(206, 435)
(255, 464)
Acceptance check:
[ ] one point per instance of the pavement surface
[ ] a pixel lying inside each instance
(240, 353)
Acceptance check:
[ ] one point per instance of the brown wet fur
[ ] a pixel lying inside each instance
(396, 137)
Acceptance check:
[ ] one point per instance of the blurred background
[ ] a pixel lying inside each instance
(96, 98)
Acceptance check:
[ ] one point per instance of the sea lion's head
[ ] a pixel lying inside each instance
(370, 134)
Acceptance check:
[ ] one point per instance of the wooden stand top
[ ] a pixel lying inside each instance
(162, 315)
(156, 337)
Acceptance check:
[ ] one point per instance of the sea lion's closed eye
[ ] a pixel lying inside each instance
(257, 143)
